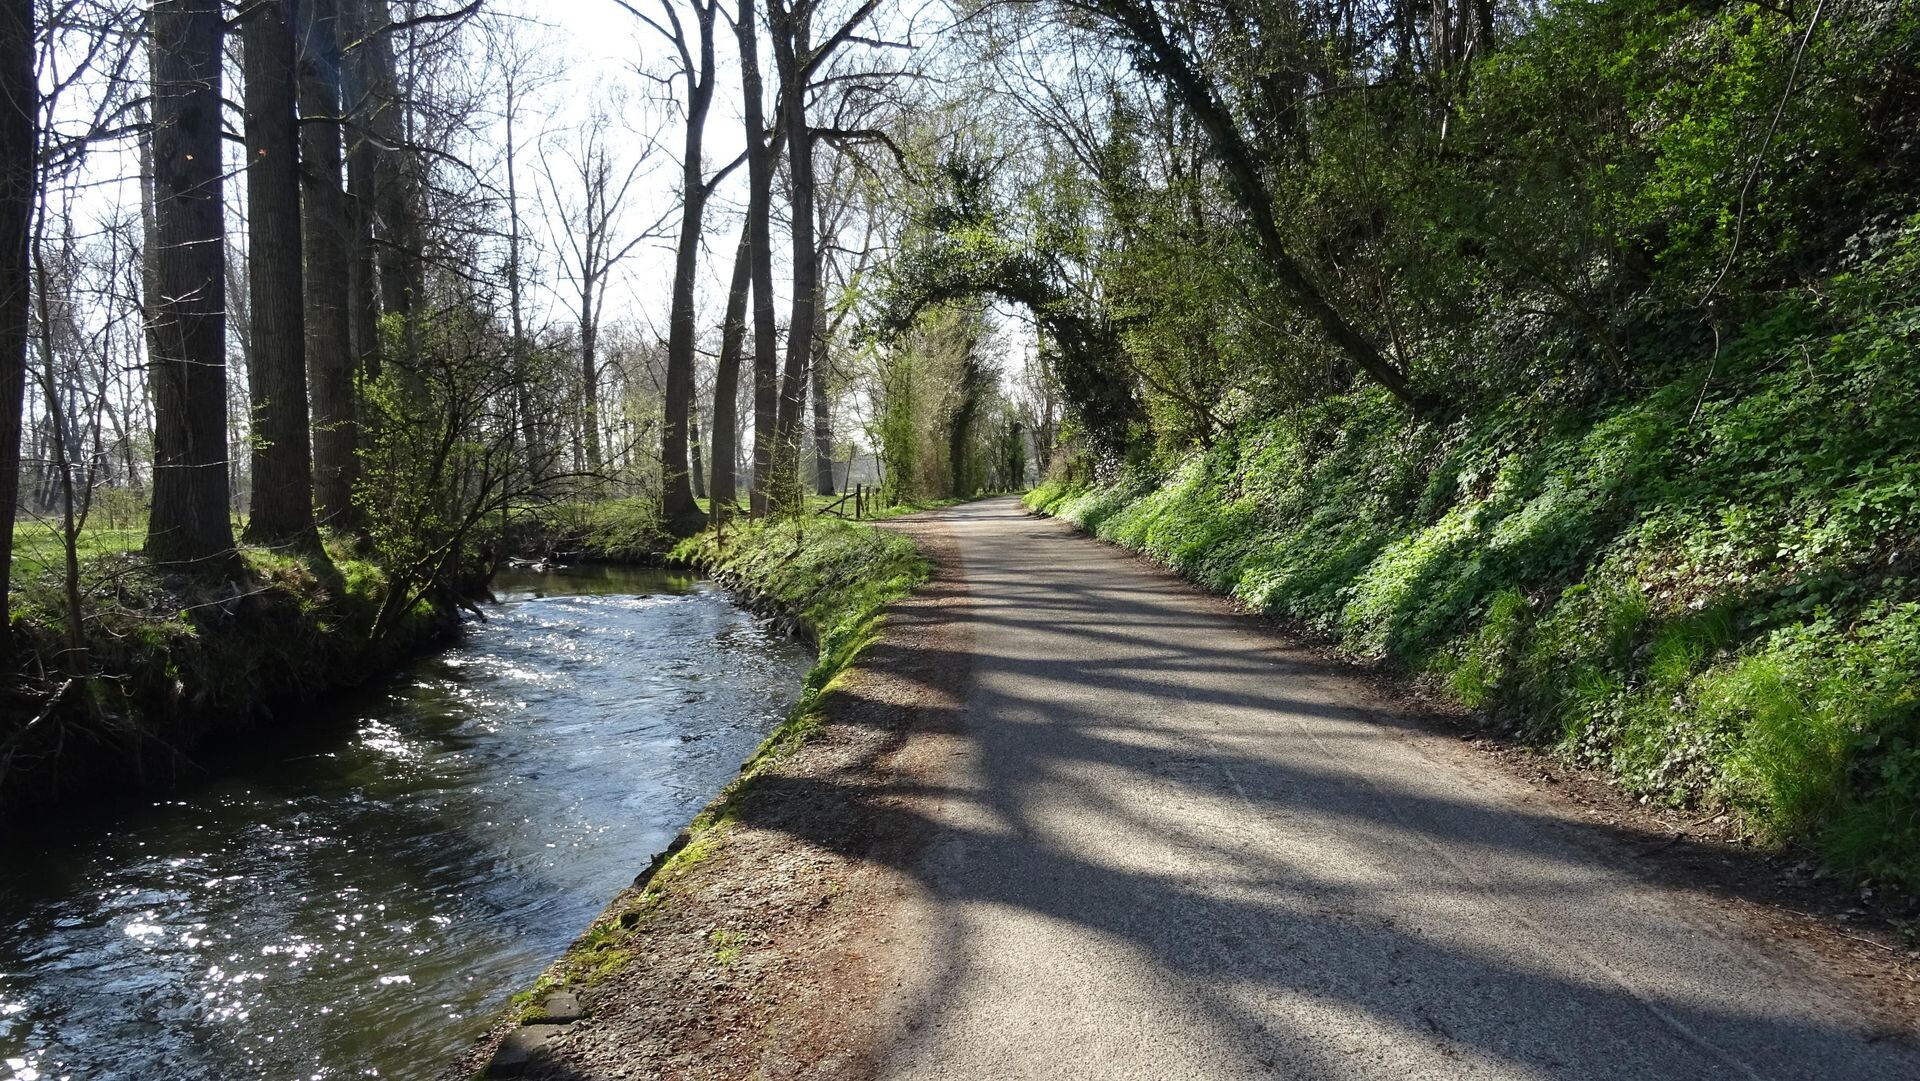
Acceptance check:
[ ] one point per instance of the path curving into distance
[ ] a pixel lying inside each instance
(1163, 844)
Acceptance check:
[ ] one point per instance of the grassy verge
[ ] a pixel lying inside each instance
(836, 578)
(613, 530)
(1708, 590)
(629, 530)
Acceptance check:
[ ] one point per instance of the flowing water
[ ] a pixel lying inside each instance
(358, 900)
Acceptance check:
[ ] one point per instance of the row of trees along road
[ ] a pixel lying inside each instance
(1183, 218)
(359, 207)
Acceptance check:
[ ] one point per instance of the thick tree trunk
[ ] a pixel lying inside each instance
(396, 218)
(822, 422)
(189, 522)
(282, 503)
(761, 154)
(962, 426)
(330, 356)
(726, 384)
(792, 43)
(19, 111)
(363, 298)
(792, 47)
(524, 419)
(678, 508)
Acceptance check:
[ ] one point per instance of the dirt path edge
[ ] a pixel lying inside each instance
(768, 943)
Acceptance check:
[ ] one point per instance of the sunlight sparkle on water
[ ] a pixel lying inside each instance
(389, 740)
(357, 903)
(141, 929)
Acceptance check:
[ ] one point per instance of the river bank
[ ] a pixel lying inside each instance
(689, 966)
(172, 666)
(352, 889)
(172, 671)
(168, 666)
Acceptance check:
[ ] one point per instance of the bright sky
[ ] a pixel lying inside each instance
(596, 52)
(604, 45)
(604, 49)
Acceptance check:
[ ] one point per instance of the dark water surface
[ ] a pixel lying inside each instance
(358, 903)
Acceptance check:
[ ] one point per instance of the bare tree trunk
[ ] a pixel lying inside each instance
(822, 422)
(189, 522)
(761, 154)
(329, 266)
(19, 111)
(363, 297)
(678, 508)
(363, 317)
(282, 503)
(962, 424)
(63, 442)
(693, 448)
(516, 272)
(793, 48)
(590, 374)
(726, 384)
(395, 218)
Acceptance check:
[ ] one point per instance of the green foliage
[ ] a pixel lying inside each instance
(444, 458)
(614, 529)
(964, 245)
(896, 432)
(727, 946)
(1706, 591)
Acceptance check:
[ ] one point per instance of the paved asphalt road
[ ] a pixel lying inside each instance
(1170, 848)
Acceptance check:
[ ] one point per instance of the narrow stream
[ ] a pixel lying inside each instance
(357, 901)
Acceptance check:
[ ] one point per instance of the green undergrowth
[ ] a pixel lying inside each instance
(1708, 590)
(171, 663)
(622, 530)
(630, 530)
(836, 578)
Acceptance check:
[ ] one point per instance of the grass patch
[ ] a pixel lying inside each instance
(727, 946)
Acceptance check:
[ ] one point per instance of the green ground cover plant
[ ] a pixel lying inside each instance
(1707, 589)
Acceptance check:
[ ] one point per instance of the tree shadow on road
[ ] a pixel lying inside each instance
(1479, 932)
